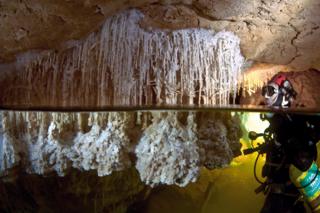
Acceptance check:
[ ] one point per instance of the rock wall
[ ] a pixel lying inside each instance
(276, 32)
(166, 148)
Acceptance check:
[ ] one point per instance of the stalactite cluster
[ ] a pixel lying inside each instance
(165, 147)
(123, 64)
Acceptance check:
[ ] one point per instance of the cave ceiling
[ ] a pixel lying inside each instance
(276, 32)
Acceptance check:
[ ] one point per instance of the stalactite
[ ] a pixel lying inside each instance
(165, 147)
(46, 142)
(123, 64)
(8, 149)
(252, 82)
(258, 75)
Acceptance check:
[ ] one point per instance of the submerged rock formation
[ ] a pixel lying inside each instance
(43, 142)
(218, 136)
(167, 152)
(166, 147)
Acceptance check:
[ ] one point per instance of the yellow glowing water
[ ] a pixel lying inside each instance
(227, 190)
(224, 190)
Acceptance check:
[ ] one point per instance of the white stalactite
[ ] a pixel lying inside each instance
(123, 64)
(56, 142)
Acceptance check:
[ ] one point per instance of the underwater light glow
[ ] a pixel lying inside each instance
(252, 122)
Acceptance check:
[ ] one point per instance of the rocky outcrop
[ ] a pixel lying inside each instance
(166, 148)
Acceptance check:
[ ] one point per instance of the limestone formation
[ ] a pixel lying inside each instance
(218, 135)
(44, 142)
(51, 56)
(125, 65)
(167, 152)
(91, 54)
(165, 147)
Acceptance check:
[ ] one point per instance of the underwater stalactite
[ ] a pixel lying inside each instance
(168, 152)
(165, 147)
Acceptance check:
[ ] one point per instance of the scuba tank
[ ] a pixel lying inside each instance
(308, 183)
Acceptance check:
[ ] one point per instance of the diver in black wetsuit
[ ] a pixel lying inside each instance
(289, 140)
(293, 143)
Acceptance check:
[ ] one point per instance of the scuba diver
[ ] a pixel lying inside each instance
(292, 177)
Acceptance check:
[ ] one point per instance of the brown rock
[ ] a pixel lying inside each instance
(276, 32)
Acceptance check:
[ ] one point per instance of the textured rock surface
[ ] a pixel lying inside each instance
(125, 65)
(36, 24)
(167, 152)
(277, 32)
(44, 142)
(218, 135)
(165, 147)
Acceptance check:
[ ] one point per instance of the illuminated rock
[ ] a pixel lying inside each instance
(44, 142)
(167, 152)
(123, 64)
(165, 147)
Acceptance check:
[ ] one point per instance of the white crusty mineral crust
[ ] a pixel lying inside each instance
(169, 146)
(123, 64)
(104, 149)
(56, 142)
(8, 145)
(167, 152)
